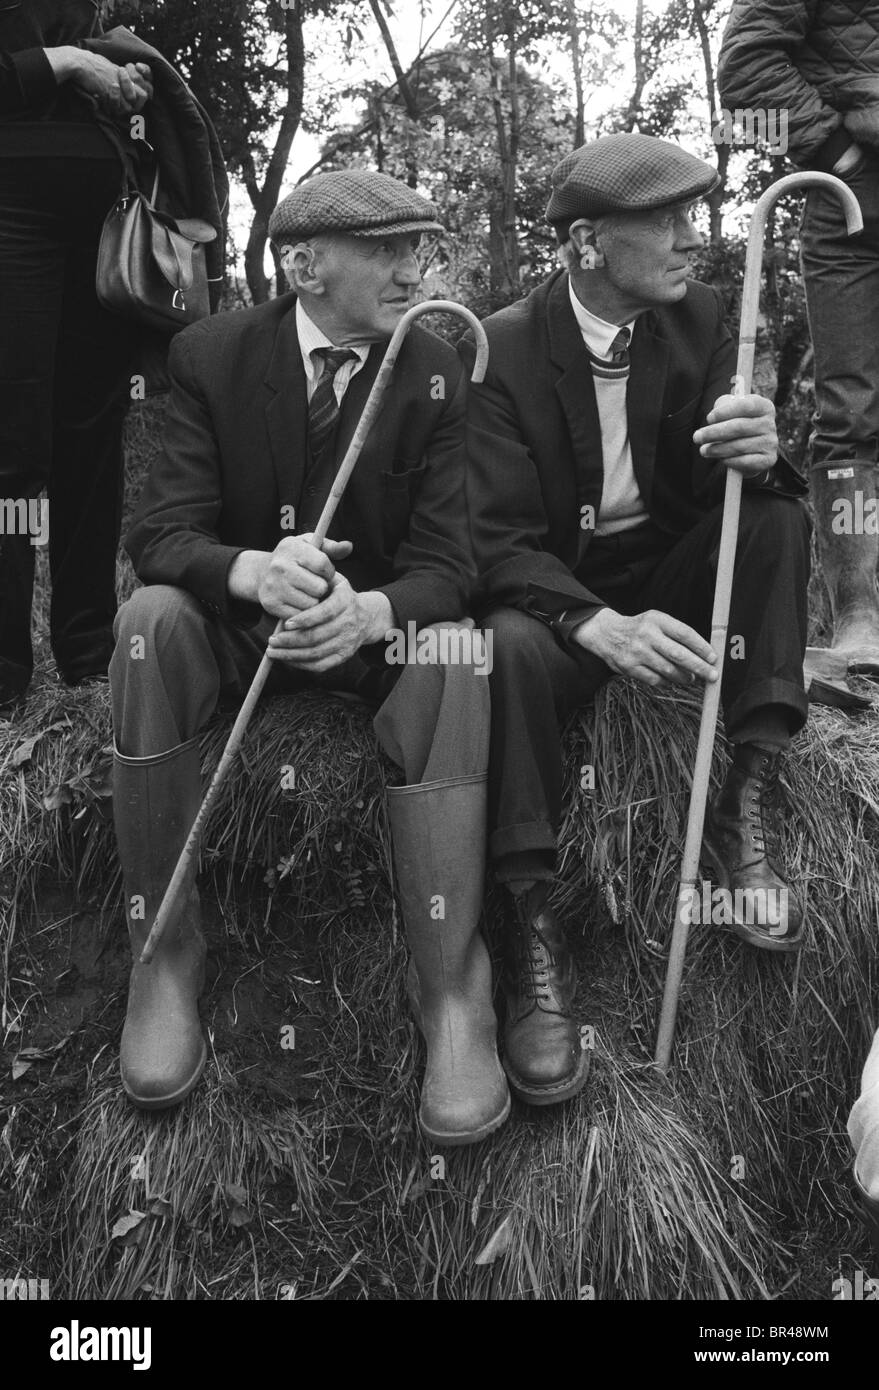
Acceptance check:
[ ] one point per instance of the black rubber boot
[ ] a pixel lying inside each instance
(849, 556)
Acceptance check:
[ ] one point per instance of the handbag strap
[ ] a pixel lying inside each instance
(130, 180)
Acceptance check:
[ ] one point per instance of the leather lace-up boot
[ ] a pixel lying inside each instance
(155, 801)
(543, 1056)
(438, 833)
(741, 844)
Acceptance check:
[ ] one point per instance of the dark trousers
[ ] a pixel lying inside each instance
(65, 367)
(174, 663)
(841, 275)
(536, 682)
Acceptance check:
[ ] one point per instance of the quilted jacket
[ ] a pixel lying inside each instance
(816, 59)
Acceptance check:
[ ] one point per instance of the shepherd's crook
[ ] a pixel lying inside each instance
(346, 468)
(726, 560)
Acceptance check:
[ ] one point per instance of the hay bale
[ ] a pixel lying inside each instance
(727, 1180)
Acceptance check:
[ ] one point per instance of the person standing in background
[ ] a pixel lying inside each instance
(818, 62)
(65, 362)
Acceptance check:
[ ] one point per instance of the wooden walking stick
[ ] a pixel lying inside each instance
(169, 902)
(723, 589)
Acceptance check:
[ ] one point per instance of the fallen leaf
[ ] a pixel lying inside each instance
(236, 1193)
(239, 1216)
(160, 1206)
(126, 1224)
(24, 751)
(498, 1244)
(19, 1069)
(38, 1054)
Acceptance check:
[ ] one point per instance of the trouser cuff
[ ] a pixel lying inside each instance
(791, 697)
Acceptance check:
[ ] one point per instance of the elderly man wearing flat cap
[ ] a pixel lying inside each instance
(264, 403)
(598, 447)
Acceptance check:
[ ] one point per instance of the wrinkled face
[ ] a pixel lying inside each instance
(368, 282)
(648, 254)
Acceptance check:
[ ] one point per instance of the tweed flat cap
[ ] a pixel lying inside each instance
(625, 173)
(355, 201)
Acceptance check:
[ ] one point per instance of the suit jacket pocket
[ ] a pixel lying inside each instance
(682, 419)
(399, 495)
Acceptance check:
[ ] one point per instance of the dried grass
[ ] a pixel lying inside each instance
(727, 1180)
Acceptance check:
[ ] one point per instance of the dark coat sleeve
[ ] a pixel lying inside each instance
(173, 536)
(756, 69)
(709, 476)
(508, 522)
(434, 571)
(27, 81)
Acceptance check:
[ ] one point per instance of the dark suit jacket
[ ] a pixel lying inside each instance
(234, 454)
(534, 441)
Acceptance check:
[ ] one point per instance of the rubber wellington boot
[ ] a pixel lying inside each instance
(846, 516)
(438, 833)
(155, 801)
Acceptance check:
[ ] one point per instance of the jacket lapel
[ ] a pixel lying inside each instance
(576, 392)
(286, 410)
(355, 398)
(647, 372)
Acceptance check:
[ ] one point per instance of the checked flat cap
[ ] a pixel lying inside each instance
(626, 173)
(357, 202)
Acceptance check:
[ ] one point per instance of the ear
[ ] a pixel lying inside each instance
(298, 263)
(583, 236)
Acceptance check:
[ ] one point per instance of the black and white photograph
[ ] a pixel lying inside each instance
(439, 670)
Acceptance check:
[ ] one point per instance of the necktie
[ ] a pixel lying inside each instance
(619, 348)
(323, 408)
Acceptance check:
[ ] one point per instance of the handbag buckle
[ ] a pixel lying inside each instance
(178, 296)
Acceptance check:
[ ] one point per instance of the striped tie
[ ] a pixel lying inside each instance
(619, 348)
(323, 409)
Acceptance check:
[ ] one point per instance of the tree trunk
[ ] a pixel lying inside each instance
(402, 80)
(503, 246)
(635, 103)
(574, 36)
(718, 197)
(265, 198)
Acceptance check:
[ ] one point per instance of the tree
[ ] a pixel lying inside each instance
(454, 146)
(245, 60)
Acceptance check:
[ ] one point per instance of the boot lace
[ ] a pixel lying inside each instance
(534, 967)
(761, 805)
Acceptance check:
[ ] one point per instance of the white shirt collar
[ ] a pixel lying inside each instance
(311, 338)
(599, 334)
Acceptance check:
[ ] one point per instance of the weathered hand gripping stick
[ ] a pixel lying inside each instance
(169, 902)
(723, 588)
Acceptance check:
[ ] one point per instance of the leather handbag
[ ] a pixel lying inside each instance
(151, 266)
